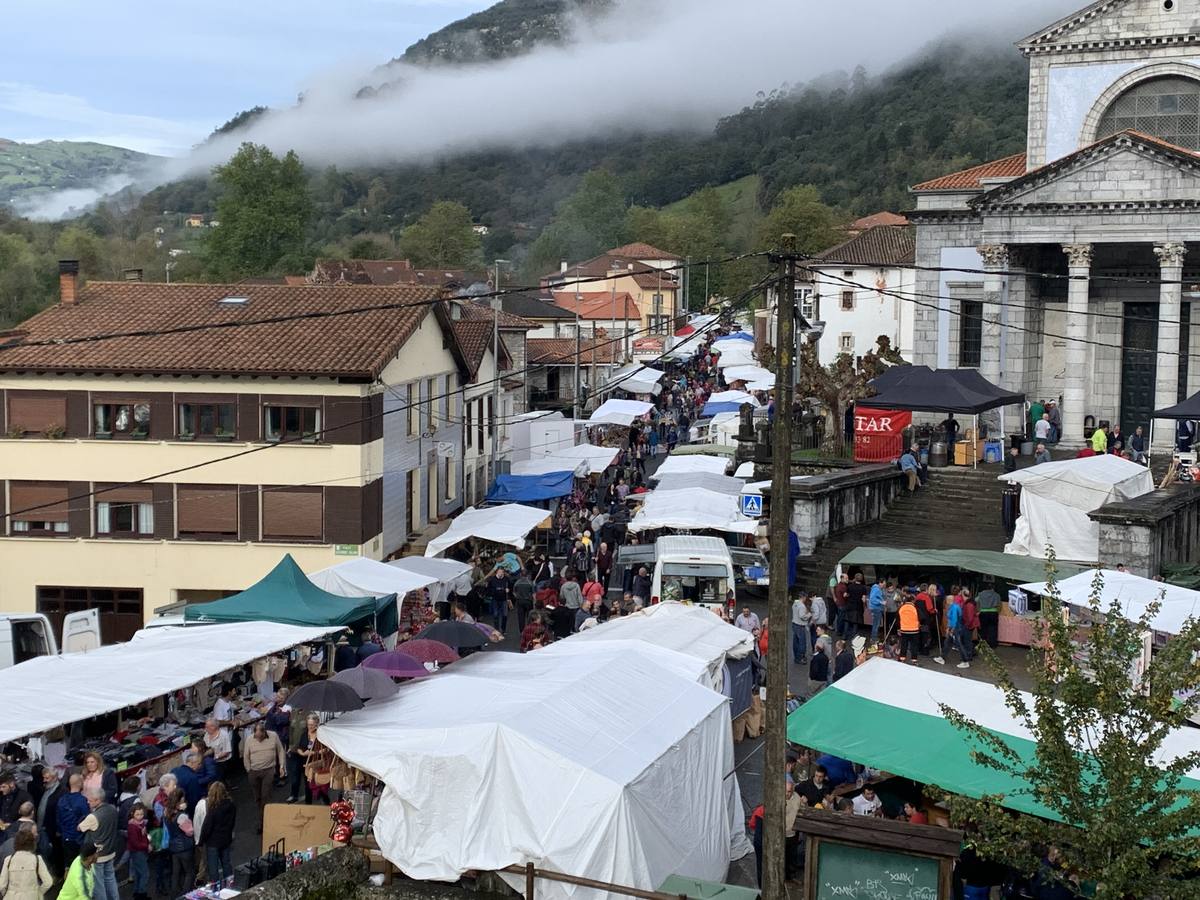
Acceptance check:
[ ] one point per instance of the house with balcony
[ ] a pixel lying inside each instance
(166, 443)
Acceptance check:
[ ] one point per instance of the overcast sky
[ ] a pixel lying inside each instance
(159, 76)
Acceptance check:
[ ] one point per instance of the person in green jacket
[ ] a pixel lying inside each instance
(1100, 440)
(79, 881)
(1036, 408)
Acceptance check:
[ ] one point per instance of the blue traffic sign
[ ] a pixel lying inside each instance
(752, 505)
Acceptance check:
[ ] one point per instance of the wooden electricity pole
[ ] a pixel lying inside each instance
(778, 606)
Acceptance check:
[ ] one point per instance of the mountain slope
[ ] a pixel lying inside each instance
(29, 170)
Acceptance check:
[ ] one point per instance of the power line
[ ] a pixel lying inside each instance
(749, 293)
(330, 314)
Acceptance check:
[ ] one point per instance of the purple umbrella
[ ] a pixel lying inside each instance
(396, 664)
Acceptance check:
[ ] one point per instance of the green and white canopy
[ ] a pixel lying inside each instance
(885, 715)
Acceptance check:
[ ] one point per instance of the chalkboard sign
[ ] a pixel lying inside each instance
(859, 873)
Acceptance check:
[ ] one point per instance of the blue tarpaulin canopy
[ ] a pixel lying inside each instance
(735, 336)
(287, 595)
(524, 488)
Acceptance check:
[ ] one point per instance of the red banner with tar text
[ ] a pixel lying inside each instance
(879, 433)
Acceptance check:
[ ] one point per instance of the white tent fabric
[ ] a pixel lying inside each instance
(767, 384)
(508, 524)
(546, 464)
(1133, 593)
(1057, 496)
(635, 379)
(691, 630)
(598, 458)
(364, 577)
(445, 572)
(695, 509)
(721, 484)
(690, 464)
(735, 353)
(619, 412)
(738, 397)
(49, 691)
(745, 470)
(748, 374)
(456, 755)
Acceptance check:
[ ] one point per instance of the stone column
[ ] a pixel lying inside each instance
(1170, 308)
(1079, 267)
(995, 262)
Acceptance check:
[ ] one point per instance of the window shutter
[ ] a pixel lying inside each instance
(130, 493)
(24, 495)
(291, 514)
(34, 413)
(207, 509)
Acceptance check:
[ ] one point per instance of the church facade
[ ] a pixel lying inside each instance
(1066, 271)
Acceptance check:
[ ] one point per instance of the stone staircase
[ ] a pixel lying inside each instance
(958, 509)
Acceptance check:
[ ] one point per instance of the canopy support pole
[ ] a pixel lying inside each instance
(1150, 443)
(975, 439)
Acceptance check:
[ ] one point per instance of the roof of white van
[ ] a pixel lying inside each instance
(692, 544)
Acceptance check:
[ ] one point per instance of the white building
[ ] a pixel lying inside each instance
(857, 291)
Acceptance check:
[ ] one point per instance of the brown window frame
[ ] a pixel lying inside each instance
(49, 516)
(302, 434)
(115, 610)
(181, 506)
(136, 431)
(129, 498)
(273, 495)
(13, 420)
(194, 413)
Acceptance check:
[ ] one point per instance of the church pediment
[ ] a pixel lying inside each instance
(1123, 169)
(1120, 22)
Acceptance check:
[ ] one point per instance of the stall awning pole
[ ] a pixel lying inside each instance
(975, 440)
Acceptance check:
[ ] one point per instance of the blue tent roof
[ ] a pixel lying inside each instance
(736, 336)
(713, 409)
(523, 488)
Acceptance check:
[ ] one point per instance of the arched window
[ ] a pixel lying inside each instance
(1166, 108)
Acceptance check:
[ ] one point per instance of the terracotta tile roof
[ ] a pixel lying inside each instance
(481, 311)
(385, 271)
(883, 245)
(599, 305)
(611, 265)
(972, 178)
(353, 345)
(475, 339)
(640, 250)
(879, 218)
(338, 271)
(561, 351)
(295, 280)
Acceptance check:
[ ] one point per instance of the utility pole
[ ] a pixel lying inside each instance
(497, 306)
(577, 343)
(778, 605)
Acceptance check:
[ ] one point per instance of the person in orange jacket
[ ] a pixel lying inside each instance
(910, 631)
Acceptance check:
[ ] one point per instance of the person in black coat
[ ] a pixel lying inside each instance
(49, 840)
(843, 663)
(216, 834)
(11, 798)
(818, 667)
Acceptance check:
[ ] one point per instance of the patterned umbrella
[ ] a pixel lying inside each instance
(370, 684)
(396, 664)
(428, 651)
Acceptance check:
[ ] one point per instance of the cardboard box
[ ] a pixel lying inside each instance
(300, 825)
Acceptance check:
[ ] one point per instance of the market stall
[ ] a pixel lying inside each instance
(287, 595)
(698, 509)
(445, 572)
(549, 465)
(608, 766)
(509, 524)
(1133, 595)
(692, 463)
(619, 412)
(1056, 498)
(362, 577)
(709, 481)
(531, 488)
(883, 710)
(728, 402)
(750, 375)
(635, 379)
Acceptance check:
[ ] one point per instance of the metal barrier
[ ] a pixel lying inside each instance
(532, 873)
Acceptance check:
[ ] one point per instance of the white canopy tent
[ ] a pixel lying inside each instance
(750, 375)
(619, 412)
(636, 379)
(735, 353)
(693, 510)
(745, 470)
(364, 577)
(543, 465)
(508, 524)
(1133, 593)
(455, 754)
(49, 691)
(721, 484)
(691, 464)
(598, 458)
(1057, 496)
(445, 572)
(691, 630)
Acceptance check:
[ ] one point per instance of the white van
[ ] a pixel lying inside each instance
(692, 570)
(24, 636)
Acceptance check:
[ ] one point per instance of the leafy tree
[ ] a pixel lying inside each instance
(81, 244)
(21, 291)
(799, 211)
(264, 210)
(1116, 812)
(444, 236)
(369, 248)
(589, 222)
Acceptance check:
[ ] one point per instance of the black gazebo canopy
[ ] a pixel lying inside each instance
(923, 389)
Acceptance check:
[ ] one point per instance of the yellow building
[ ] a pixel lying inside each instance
(161, 442)
(650, 276)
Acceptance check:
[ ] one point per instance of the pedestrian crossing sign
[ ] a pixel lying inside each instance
(752, 505)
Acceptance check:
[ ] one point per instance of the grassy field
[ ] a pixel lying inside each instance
(27, 170)
(741, 198)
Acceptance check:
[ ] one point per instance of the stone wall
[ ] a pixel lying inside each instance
(1151, 531)
(826, 504)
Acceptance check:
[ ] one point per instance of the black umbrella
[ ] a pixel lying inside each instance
(370, 684)
(458, 635)
(325, 696)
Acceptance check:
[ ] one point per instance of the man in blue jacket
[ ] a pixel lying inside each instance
(875, 602)
(188, 776)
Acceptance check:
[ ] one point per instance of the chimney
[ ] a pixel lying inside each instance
(68, 280)
(131, 274)
(562, 267)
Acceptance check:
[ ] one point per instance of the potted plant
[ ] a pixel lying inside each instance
(55, 432)
(222, 435)
(140, 434)
(15, 432)
(102, 435)
(186, 436)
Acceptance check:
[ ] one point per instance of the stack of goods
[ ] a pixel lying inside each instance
(129, 749)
